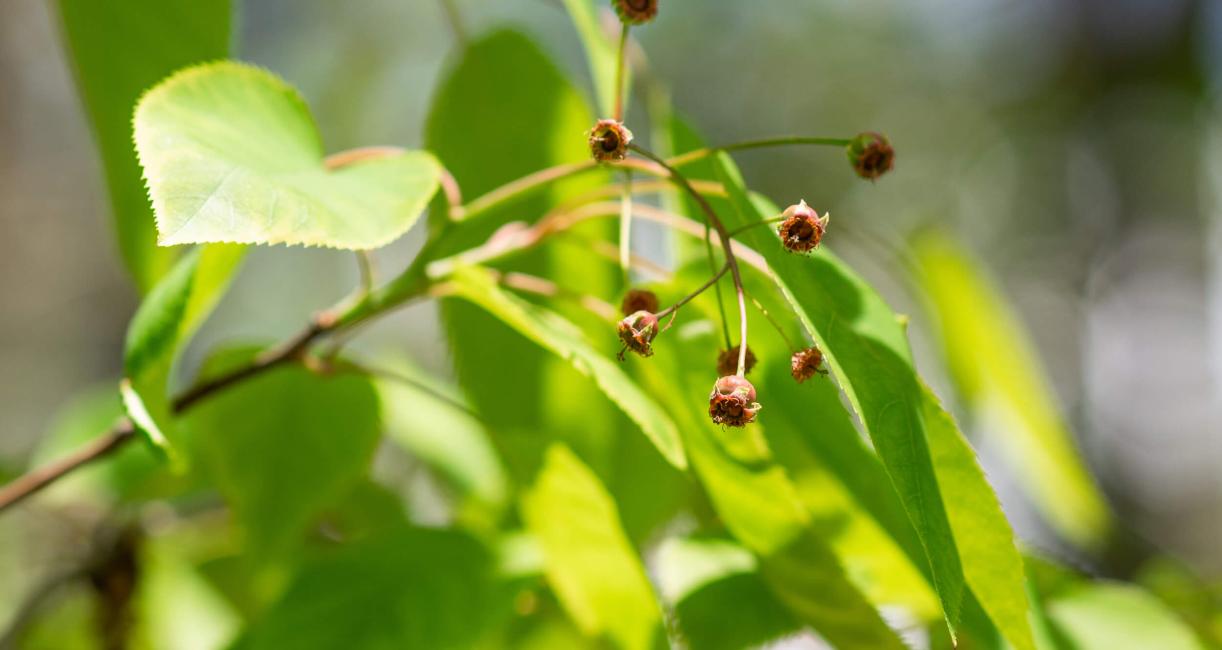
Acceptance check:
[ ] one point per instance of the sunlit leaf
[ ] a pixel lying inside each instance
(161, 328)
(867, 350)
(231, 154)
(998, 374)
(176, 606)
(407, 588)
(564, 340)
(1118, 617)
(755, 500)
(283, 445)
(991, 563)
(590, 563)
(117, 54)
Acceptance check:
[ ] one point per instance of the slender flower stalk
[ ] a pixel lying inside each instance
(691, 296)
(620, 65)
(724, 234)
(531, 182)
(699, 154)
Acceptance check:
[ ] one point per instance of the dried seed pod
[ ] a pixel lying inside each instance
(635, 12)
(609, 141)
(732, 402)
(871, 155)
(639, 300)
(806, 364)
(802, 228)
(636, 331)
(727, 361)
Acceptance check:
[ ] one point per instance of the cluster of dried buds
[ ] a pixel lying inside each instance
(801, 230)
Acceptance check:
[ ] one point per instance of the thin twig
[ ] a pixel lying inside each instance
(39, 478)
(290, 350)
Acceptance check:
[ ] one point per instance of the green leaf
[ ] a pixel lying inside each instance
(408, 588)
(283, 445)
(434, 426)
(588, 560)
(991, 563)
(1118, 617)
(720, 600)
(997, 371)
(177, 607)
(755, 500)
(845, 488)
(231, 154)
(117, 52)
(867, 350)
(561, 338)
(601, 53)
(161, 328)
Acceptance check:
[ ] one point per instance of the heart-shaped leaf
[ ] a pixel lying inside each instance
(231, 154)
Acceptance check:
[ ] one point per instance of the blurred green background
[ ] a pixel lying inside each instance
(1074, 145)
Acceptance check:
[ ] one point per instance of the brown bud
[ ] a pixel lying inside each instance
(609, 141)
(802, 228)
(636, 331)
(639, 300)
(807, 364)
(732, 402)
(727, 361)
(871, 155)
(635, 12)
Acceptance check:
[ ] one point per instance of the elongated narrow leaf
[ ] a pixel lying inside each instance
(231, 154)
(998, 375)
(406, 588)
(283, 445)
(991, 563)
(601, 51)
(589, 561)
(117, 53)
(564, 340)
(163, 325)
(867, 350)
(1118, 617)
(755, 500)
